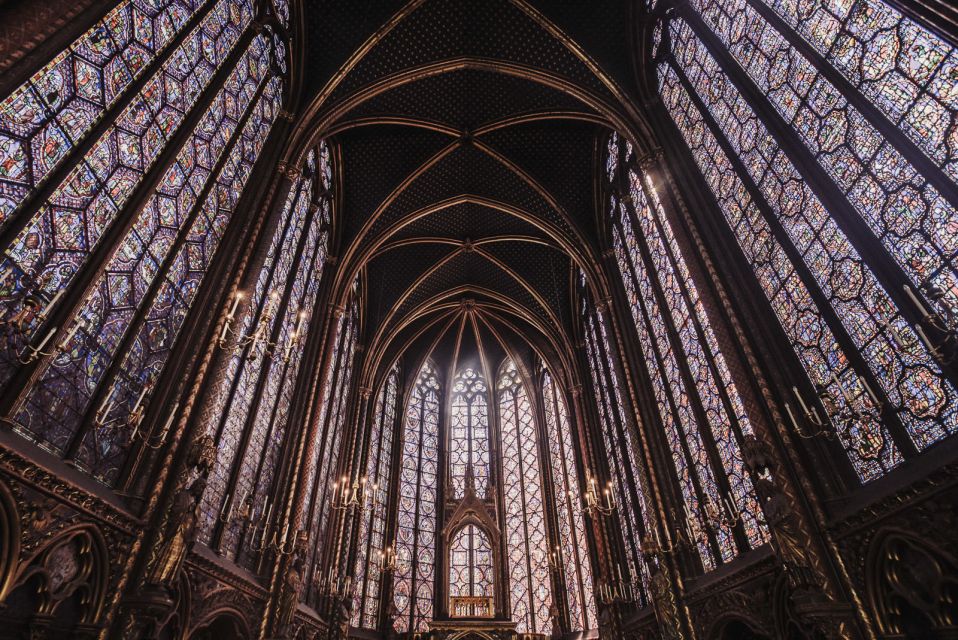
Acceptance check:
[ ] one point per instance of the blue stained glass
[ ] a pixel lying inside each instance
(868, 313)
(53, 111)
(104, 318)
(54, 245)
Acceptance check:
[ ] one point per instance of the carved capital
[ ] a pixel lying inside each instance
(288, 171)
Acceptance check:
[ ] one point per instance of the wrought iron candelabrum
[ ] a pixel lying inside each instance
(357, 495)
(259, 336)
(598, 502)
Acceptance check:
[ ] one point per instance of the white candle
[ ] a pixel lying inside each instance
(791, 416)
(841, 388)
(801, 400)
(139, 400)
(921, 308)
(236, 301)
(921, 334)
(169, 422)
(870, 393)
(52, 302)
(44, 342)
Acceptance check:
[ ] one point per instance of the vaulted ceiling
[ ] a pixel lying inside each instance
(467, 137)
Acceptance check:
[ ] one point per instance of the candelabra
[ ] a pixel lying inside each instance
(103, 421)
(652, 545)
(272, 538)
(596, 503)
(844, 414)
(943, 319)
(722, 515)
(226, 515)
(618, 590)
(334, 586)
(359, 495)
(387, 560)
(259, 335)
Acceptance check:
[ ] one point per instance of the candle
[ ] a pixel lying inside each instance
(921, 334)
(139, 400)
(870, 393)
(44, 342)
(269, 512)
(236, 302)
(911, 295)
(169, 422)
(52, 302)
(801, 400)
(791, 416)
(841, 388)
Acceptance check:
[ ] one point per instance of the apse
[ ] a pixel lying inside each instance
(478, 319)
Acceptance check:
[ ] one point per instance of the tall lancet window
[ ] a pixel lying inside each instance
(416, 523)
(372, 529)
(470, 564)
(525, 527)
(117, 275)
(576, 569)
(469, 432)
(618, 438)
(823, 134)
(699, 405)
(254, 394)
(331, 425)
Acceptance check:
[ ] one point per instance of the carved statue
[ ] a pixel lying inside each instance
(663, 603)
(292, 585)
(179, 526)
(177, 535)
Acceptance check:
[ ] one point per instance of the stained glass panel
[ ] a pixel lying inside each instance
(416, 522)
(54, 111)
(899, 363)
(157, 262)
(527, 545)
(372, 529)
(576, 567)
(53, 246)
(469, 432)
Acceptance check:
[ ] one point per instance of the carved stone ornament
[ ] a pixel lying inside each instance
(291, 587)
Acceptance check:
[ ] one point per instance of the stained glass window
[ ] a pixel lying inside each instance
(332, 421)
(416, 522)
(372, 528)
(826, 298)
(469, 432)
(524, 529)
(699, 404)
(470, 563)
(140, 301)
(254, 395)
(54, 111)
(89, 204)
(576, 569)
(619, 445)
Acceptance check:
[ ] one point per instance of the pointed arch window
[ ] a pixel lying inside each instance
(470, 563)
(469, 432)
(105, 111)
(699, 404)
(332, 417)
(416, 523)
(254, 395)
(527, 545)
(372, 529)
(576, 570)
(619, 445)
(820, 145)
